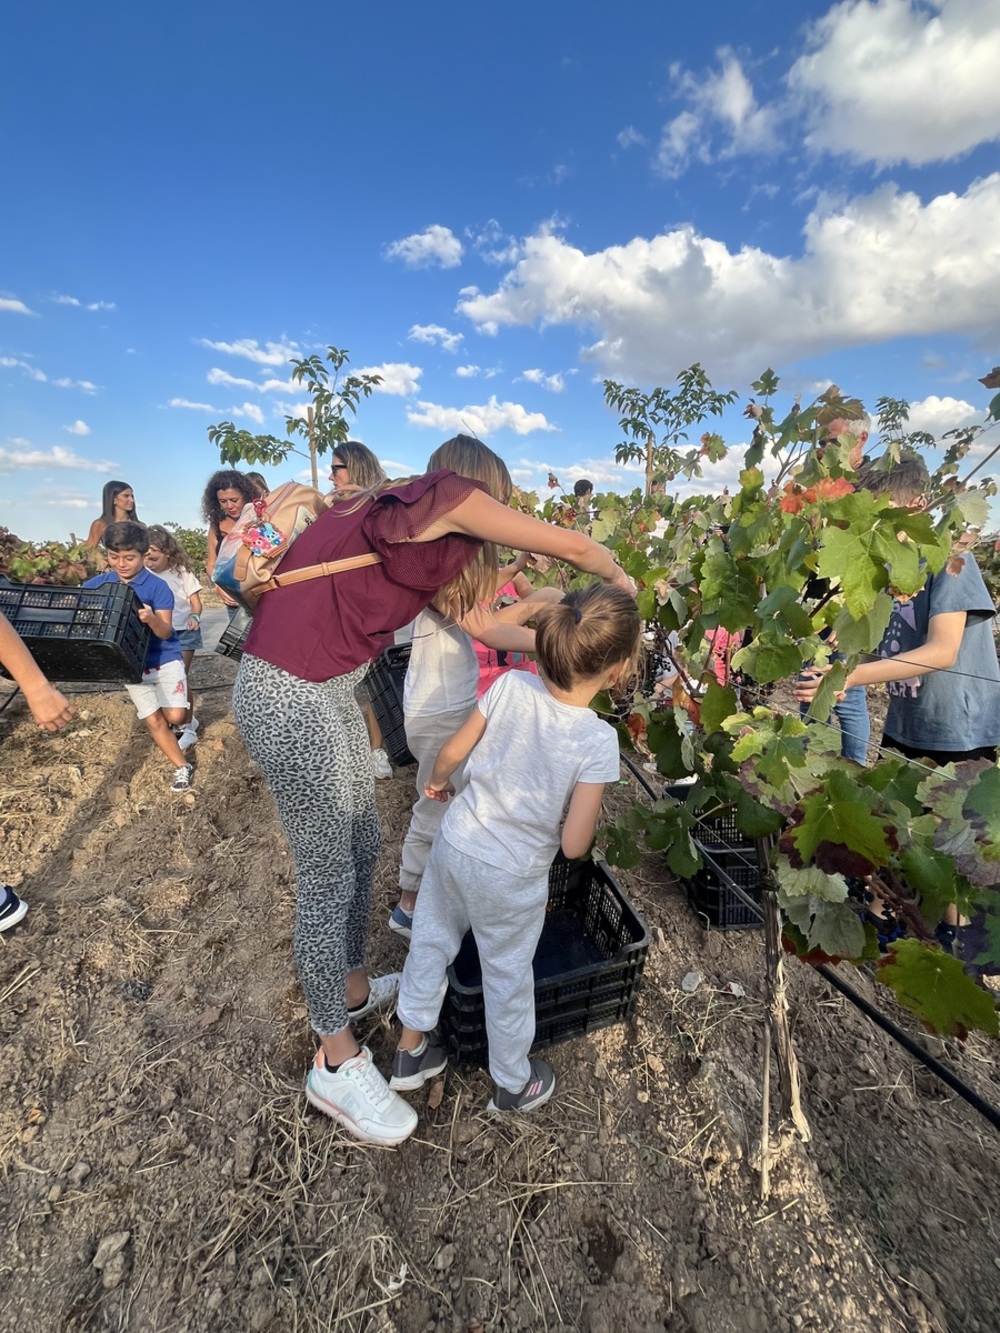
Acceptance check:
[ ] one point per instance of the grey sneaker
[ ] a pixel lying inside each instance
(189, 734)
(182, 778)
(412, 1069)
(536, 1092)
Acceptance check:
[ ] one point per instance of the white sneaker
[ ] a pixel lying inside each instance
(189, 734)
(380, 764)
(382, 993)
(358, 1097)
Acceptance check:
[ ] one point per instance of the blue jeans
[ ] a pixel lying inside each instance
(855, 724)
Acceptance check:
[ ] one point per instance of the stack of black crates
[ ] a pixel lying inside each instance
(728, 858)
(79, 634)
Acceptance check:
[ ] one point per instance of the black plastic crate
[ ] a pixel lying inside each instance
(79, 634)
(710, 893)
(234, 636)
(718, 829)
(587, 966)
(384, 683)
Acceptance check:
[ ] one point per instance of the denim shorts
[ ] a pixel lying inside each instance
(190, 639)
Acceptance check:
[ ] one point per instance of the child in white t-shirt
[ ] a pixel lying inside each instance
(440, 688)
(168, 559)
(535, 752)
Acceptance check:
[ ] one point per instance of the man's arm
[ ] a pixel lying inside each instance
(48, 707)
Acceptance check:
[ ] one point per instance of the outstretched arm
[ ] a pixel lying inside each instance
(48, 707)
(451, 754)
(480, 516)
(938, 652)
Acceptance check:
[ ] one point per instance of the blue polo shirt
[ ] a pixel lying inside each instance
(154, 592)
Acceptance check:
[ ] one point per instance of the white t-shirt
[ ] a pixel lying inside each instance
(520, 776)
(443, 672)
(183, 584)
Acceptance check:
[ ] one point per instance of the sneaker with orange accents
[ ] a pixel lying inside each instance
(358, 1098)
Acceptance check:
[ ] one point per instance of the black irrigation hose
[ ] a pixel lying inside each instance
(986, 1109)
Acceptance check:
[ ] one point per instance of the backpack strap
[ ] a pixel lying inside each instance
(319, 571)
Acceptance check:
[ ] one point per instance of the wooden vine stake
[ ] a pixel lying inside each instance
(776, 1028)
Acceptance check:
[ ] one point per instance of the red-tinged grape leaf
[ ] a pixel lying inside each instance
(840, 816)
(934, 987)
(992, 379)
(984, 800)
(718, 704)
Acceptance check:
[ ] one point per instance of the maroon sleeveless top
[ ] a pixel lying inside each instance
(326, 627)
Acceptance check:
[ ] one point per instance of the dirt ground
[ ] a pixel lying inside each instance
(162, 1172)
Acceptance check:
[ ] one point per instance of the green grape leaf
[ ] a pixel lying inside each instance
(620, 847)
(683, 858)
(718, 704)
(756, 820)
(766, 662)
(833, 927)
(934, 986)
(665, 741)
(931, 877)
(838, 830)
(810, 881)
(864, 633)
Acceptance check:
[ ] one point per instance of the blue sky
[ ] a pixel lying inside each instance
(494, 209)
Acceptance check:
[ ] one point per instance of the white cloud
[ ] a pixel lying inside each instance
(481, 421)
(435, 334)
(31, 371)
(91, 305)
(436, 245)
(14, 306)
(466, 372)
(78, 428)
(279, 386)
(68, 502)
(399, 378)
(39, 376)
(270, 354)
(216, 376)
(901, 80)
(493, 244)
(629, 136)
(881, 266)
(936, 415)
(250, 410)
(194, 407)
(718, 103)
(554, 383)
(25, 456)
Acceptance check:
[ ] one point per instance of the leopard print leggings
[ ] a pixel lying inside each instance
(311, 745)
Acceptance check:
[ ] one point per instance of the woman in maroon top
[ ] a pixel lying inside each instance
(309, 646)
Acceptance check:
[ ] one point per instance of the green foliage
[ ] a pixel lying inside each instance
(934, 986)
(59, 563)
(195, 543)
(787, 563)
(322, 429)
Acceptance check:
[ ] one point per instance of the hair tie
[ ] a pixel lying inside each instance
(577, 615)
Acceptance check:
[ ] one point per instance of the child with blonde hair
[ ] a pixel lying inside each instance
(442, 677)
(168, 559)
(538, 761)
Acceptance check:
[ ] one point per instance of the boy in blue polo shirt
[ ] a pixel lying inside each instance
(161, 698)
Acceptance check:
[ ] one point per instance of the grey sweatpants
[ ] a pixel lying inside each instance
(425, 734)
(506, 913)
(311, 745)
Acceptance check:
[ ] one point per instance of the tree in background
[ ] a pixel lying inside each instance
(323, 427)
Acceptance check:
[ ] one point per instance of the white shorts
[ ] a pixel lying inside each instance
(161, 687)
